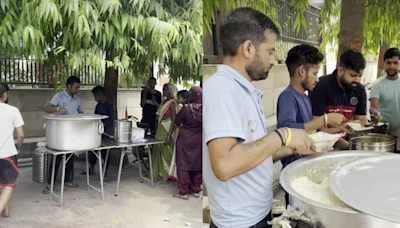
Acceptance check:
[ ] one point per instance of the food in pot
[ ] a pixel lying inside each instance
(318, 192)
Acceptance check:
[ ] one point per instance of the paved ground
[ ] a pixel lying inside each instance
(138, 205)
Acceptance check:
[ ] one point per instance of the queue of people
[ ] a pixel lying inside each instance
(178, 120)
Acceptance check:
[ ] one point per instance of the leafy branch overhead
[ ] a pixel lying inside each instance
(380, 22)
(135, 32)
(267, 6)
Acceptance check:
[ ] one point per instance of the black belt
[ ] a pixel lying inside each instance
(262, 224)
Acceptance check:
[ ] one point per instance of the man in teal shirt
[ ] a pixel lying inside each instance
(385, 95)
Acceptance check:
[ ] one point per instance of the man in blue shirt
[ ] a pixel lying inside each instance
(66, 102)
(102, 108)
(294, 106)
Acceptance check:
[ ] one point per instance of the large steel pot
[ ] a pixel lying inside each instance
(74, 132)
(321, 215)
(373, 142)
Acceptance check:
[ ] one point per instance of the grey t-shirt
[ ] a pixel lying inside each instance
(388, 93)
(64, 100)
(232, 107)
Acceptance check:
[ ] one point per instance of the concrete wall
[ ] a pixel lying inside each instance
(31, 104)
(276, 82)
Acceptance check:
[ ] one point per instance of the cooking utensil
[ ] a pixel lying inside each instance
(370, 185)
(122, 131)
(74, 132)
(316, 168)
(373, 142)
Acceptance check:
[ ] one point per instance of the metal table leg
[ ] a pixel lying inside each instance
(87, 169)
(106, 161)
(64, 161)
(52, 177)
(98, 155)
(123, 152)
(139, 162)
(151, 180)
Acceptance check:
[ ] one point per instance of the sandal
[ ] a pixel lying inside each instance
(46, 190)
(71, 185)
(184, 197)
(196, 195)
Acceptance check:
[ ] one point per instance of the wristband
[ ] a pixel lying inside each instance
(280, 136)
(289, 138)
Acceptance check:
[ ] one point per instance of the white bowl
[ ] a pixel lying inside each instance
(324, 141)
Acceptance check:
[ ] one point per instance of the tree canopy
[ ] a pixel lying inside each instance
(380, 21)
(131, 33)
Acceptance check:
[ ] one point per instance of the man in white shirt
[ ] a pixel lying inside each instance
(10, 119)
(238, 153)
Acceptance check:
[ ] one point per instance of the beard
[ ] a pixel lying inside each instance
(255, 70)
(391, 73)
(348, 85)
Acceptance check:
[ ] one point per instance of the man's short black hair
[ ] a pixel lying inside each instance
(304, 54)
(98, 90)
(184, 94)
(152, 79)
(352, 59)
(72, 80)
(3, 89)
(244, 24)
(391, 52)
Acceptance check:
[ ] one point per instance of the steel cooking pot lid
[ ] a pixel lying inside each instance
(370, 185)
(75, 117)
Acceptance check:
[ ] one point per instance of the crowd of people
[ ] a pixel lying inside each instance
(238, 152)
(175, 117)
(177, 120)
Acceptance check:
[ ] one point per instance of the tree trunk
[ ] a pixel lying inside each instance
(111, 80)
(351, 26)
(381, 62)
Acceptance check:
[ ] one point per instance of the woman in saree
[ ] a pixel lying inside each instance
(189, 146)
(163, 155)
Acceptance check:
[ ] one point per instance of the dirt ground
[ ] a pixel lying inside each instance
(137, 205)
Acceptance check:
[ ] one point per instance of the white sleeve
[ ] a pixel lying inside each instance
(18, 120)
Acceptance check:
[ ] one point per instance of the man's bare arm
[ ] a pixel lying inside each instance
(230, 159)
(20, 137)
(50, 108)
(281, 154)
(315, 124)
(374, 103)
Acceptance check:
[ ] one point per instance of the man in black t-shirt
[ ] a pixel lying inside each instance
(102, 108)
(150, 102)
(341, 92)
